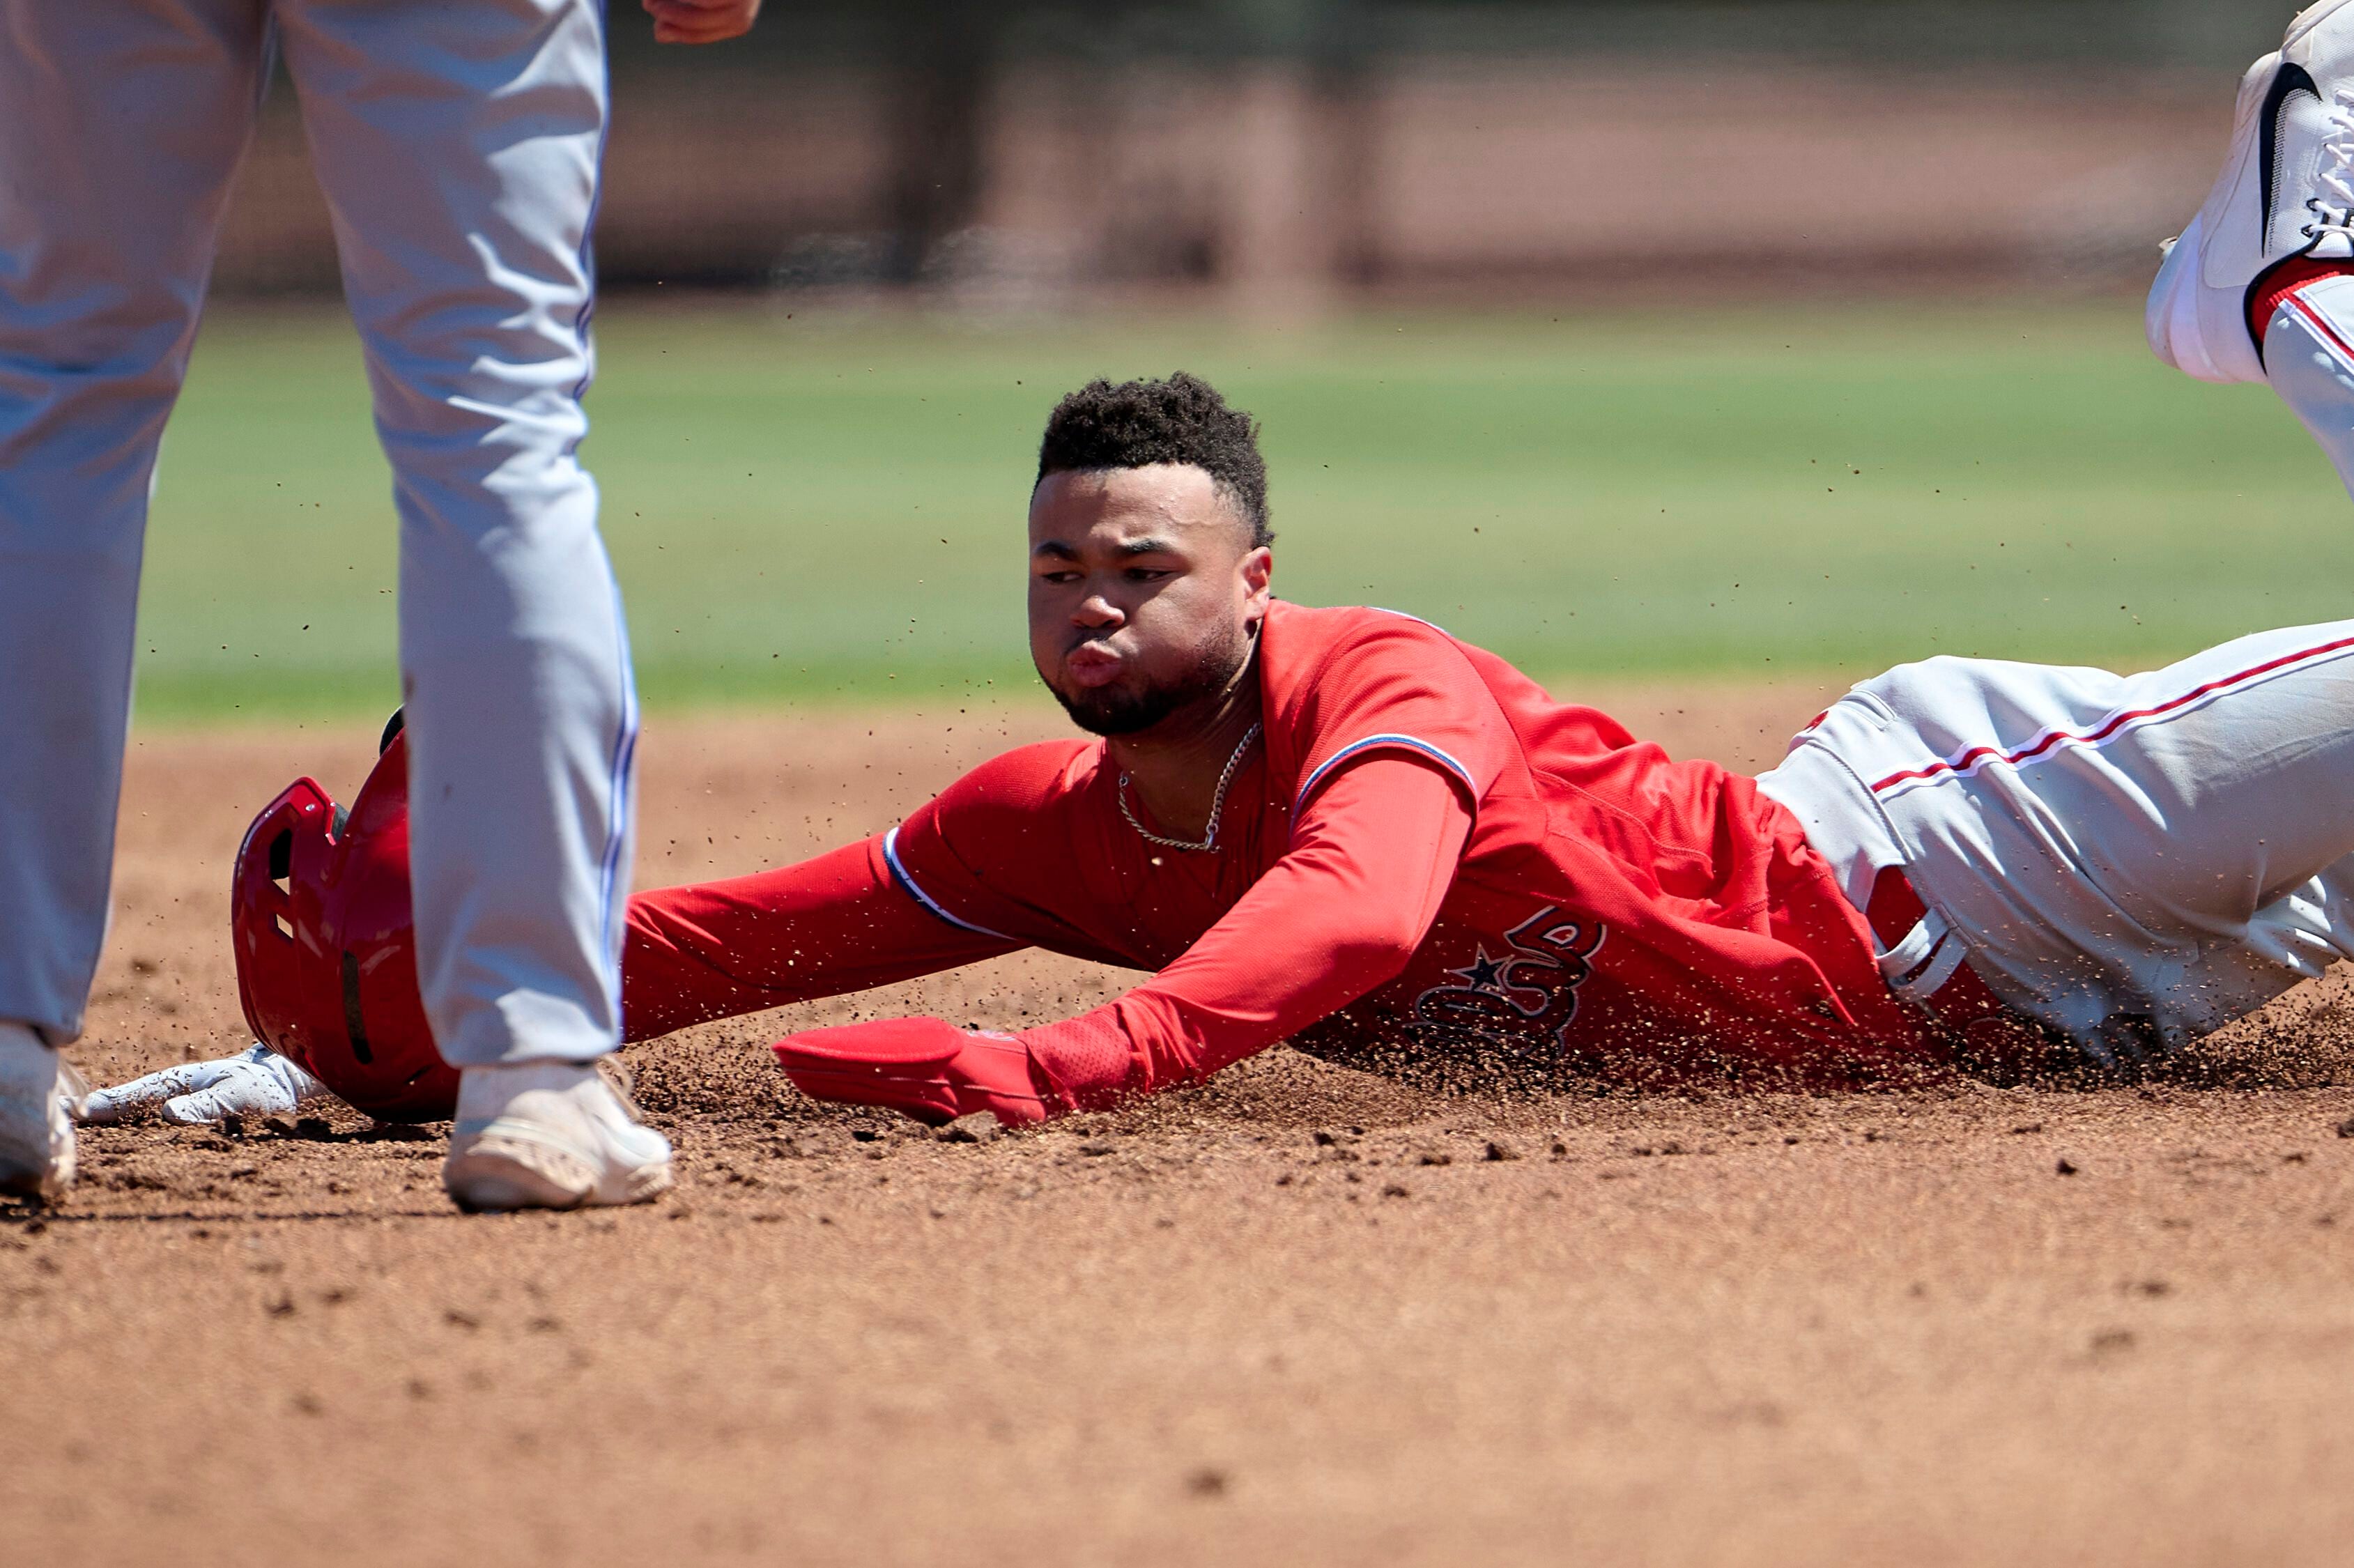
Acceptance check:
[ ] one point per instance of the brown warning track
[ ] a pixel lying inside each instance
(1299, 1315)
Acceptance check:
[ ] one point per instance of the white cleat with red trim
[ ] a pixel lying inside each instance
(2286, 191)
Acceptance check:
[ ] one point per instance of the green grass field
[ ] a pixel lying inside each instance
(820, 508)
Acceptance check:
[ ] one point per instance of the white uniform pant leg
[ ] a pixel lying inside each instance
(2289, 776)
(2136, 859)
(458, 146)
(2225, 830)
(120, 125)
(2212, 812)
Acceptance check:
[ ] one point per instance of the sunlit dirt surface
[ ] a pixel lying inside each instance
(1299, 1315)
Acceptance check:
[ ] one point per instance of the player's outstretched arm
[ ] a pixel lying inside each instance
(823, 928)
(692, 954)
(701, 21)
(1372, 858)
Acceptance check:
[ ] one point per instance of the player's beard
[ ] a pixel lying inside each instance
(1117, 710)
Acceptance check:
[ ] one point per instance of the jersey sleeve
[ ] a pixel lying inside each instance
(1394, 686)
(970, 875)
(1341, 913)
(838, 923)
(994, 854)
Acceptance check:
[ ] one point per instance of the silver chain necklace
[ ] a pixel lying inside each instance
(1217, 804)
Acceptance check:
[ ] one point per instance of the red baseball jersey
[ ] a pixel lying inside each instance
(1425, 856)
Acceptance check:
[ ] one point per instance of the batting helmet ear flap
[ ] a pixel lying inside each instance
(273, 916)
(326, 951)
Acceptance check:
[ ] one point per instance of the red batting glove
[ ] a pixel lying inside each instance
(930, 1069)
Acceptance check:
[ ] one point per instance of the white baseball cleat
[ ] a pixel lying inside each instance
(550, 1135)
(41, 1094)
(2286, 190)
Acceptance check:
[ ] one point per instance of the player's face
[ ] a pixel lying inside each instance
(1144, 592)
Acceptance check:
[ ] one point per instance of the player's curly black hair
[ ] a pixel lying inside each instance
(1134, 424)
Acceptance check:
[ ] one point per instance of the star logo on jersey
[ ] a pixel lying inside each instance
(1484, 973)
(1522, 1002)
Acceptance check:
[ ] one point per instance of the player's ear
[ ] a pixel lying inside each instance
(1259, 572)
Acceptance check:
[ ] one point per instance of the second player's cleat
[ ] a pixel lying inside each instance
(550, 1135)
(39, 1096)
(2286, 190)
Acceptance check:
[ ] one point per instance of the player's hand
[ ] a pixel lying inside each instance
(255, 1082)
(701, 21)
(931, 1070)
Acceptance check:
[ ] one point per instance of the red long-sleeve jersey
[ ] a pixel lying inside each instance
(1425, 855)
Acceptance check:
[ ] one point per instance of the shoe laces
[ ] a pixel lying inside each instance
(2333, 208)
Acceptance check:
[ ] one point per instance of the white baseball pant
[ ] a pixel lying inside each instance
(458, 146)
(2133, 860)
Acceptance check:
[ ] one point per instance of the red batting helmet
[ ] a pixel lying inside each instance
(326, 952)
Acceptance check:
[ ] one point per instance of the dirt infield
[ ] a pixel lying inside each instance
(1299, 1315)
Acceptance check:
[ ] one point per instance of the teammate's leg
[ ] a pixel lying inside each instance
(2212, 807)
(2134, 861)
(2256, 789)
(2226, 838)
(459, 147)
(119, 128)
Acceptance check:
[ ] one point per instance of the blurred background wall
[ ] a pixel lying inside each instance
(1289, 153)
